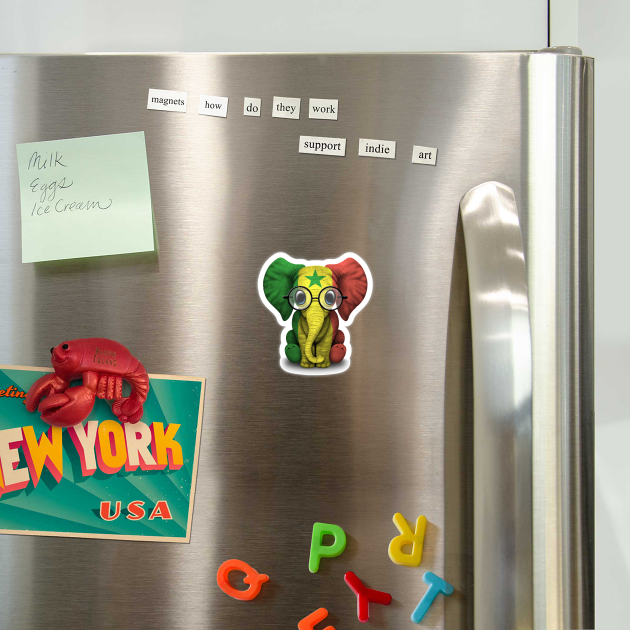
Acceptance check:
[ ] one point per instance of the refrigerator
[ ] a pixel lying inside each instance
(465, 394)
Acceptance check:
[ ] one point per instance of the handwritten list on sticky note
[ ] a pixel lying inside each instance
(85, 197)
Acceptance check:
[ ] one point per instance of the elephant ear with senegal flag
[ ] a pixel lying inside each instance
(316, 294)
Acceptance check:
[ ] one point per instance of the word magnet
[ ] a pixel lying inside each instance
(213, 106)
(424, 155)
(285, 107)
(252, 577)
(407, 537)
(167, 100)
(319, 550)
(322, 146)
(251, 106)
(323, 108)
(377, 148)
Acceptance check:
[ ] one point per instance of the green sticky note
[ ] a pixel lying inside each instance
(85, 197)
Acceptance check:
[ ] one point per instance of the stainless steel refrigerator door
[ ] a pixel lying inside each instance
(279, 452)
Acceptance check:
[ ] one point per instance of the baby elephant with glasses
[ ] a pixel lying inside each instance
(316, 295)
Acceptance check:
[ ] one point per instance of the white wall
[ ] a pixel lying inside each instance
(604, 27)
(270, 25)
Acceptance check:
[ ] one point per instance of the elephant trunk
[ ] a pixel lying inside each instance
(315, 322)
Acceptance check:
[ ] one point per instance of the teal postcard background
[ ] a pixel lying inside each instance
(72, 505)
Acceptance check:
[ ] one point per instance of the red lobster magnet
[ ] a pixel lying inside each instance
(102, 364)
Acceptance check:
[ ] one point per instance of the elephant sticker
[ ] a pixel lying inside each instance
(310, 299)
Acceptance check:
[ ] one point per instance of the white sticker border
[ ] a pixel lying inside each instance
(293, 368)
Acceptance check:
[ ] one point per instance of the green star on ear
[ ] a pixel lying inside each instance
(315, 280)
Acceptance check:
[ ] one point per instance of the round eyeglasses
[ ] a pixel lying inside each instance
(329, 298)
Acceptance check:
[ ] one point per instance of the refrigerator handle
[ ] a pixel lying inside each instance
(502, 374)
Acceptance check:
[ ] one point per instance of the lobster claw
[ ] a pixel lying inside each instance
(68, 408)
(128, 410)
(43, 386)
